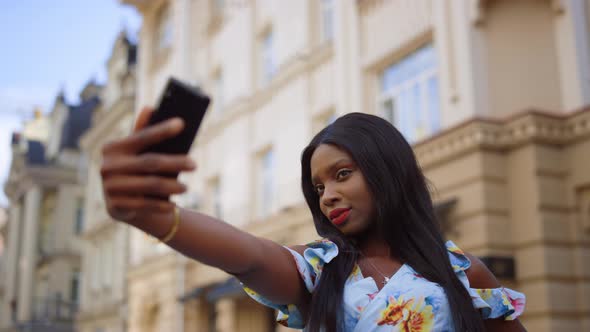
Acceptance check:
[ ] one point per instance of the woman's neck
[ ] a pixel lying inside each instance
(374, 247)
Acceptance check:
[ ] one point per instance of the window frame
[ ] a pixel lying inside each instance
(267, 57)
(326, 9)
(164, 28)
(405, 119)
(266, 183)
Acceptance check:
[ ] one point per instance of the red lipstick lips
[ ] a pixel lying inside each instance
(338, 216)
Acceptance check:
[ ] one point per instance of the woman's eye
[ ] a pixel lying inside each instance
(343, 173)
(319, 189)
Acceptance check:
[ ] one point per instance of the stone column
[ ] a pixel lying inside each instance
(347, 57)
(182, 29)
(28, 256)
(573, 52)
(469, 52)
(11, 264)
(226, 315)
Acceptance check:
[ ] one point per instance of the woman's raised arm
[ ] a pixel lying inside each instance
(137, 195)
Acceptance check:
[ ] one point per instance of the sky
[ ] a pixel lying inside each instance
(47, 46)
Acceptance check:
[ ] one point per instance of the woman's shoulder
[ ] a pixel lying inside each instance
(477, 272)
(319, 243)
(487, 293)
(479, 275)
(316, 253)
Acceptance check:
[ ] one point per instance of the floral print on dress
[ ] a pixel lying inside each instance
(408, 302)
(406, 315)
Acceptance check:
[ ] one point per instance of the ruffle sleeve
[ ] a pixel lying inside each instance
(492, 302)
(310, 266)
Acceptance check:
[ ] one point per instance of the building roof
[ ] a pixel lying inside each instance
(35, 153)
(77, 122)
(132, 54)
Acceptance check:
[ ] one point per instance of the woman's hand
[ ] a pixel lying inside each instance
(137, 195)
(133, 185)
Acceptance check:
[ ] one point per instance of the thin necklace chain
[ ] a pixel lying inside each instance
(385, 278)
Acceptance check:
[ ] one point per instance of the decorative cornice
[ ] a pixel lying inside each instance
(102, 227)
(281, 225)
(150, 267)
(62, 254)
(46, 176)
(504, 135)
(110, 310)
(366, 5)
(299, 64)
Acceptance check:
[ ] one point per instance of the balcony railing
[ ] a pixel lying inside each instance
(54, 308)
(50, 314)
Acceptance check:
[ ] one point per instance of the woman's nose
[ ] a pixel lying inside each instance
(330, 196)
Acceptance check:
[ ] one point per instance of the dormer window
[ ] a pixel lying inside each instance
(164, 29)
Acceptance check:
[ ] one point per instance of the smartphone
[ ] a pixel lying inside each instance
(186, 102)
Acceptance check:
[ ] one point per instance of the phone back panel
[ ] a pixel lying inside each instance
(186, 102)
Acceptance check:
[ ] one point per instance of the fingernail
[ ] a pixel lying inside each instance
(176, 122)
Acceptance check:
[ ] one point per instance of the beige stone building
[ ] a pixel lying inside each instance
(105, 247)
(493, 94)
(3, 233)
(41, 265)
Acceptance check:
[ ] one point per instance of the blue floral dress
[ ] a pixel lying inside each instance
(408, 302)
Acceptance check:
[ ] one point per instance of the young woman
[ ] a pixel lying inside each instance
(382, 263)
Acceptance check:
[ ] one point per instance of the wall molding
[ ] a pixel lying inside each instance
(502, 135)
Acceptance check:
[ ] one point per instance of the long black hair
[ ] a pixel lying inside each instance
(404, 215)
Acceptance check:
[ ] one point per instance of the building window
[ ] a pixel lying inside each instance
(96, 275)
(79, 219)
(215, 194)
(211, 317)
(327, 20)
(75, 287)
(266, 183)
(218, 94)
(409, 94)
(164, 29)
(106, 263)
(267, 56)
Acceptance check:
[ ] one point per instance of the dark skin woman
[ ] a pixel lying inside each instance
(368, 199)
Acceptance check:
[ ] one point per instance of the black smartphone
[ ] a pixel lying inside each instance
(186, 102)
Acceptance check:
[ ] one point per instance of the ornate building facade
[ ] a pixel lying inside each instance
(105, 243)
(41, 271)
(492, 94)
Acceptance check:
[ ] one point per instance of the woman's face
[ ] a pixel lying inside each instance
(343, 193)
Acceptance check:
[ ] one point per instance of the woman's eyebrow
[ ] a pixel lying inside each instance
(338, 163)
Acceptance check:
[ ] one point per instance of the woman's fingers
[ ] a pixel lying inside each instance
(143, 138)
(149, 163)
(132, 185)
(148, 186)
(143, 118)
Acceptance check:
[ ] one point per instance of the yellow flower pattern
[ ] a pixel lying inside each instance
(407, 316)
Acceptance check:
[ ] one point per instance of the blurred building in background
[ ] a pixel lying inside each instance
(493, 94)
(3, 234)
(41, 268)
(105, 242)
